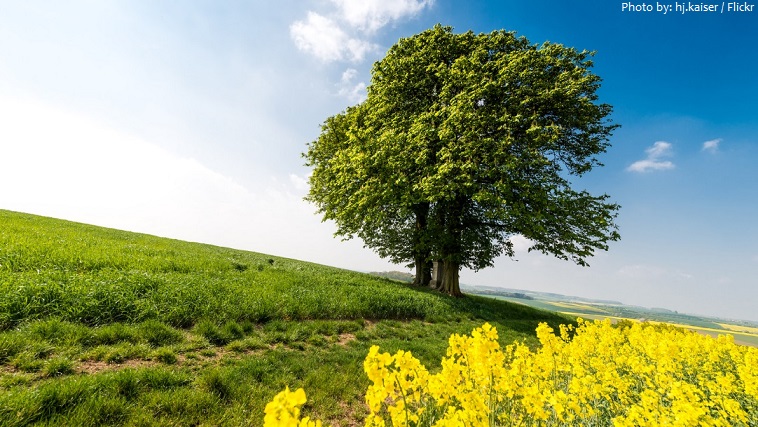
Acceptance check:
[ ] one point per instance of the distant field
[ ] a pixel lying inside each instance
(745, 338)
(574, 309)
(586, 316)
(739, 328)
(742, 334)
(583, 308)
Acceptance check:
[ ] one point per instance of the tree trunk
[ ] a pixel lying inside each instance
(449, 283)
(423, 272)
(421, 252)
(436, 280)
(451, 246)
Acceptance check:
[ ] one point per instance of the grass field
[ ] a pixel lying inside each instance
(105, 327)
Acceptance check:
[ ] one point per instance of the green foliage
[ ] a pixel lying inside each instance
(463, 141)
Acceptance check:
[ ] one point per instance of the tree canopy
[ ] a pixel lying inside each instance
(465, 140)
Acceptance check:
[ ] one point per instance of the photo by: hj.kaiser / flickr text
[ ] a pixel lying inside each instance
(688, 7)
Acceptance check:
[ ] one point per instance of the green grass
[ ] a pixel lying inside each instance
(105, 327)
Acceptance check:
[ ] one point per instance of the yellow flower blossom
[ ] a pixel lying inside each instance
(284, 410)
(636, 374)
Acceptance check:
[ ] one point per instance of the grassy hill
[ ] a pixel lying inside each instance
(106, 327)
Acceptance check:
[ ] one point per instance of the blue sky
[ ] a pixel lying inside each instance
(186, 119)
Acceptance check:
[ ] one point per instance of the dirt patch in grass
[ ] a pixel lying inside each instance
(351, 416)
(344, 338)
(95, 366)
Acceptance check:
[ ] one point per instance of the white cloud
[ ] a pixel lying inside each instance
(371, 15)
(349, 75)
(354, 92)
(653, 161)
(648, 165)
(659, 149)
(323, 38)
(712, 146)
(330, 37)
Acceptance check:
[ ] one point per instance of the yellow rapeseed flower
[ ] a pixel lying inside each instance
(595, 374)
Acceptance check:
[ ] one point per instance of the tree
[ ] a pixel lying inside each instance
(349, 184)
(464, 141)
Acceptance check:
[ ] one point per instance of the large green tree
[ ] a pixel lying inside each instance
(464, 141)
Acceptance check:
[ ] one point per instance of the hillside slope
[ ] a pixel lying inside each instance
(171, 332)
